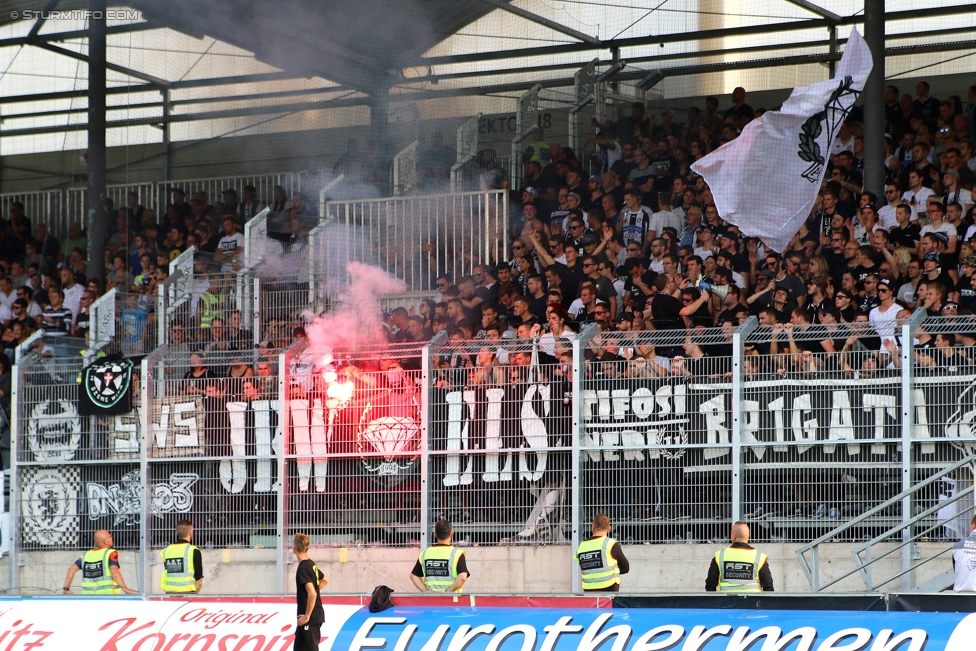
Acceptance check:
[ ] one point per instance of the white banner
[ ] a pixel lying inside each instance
(119, 624)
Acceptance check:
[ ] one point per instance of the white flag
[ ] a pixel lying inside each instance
(785, 152)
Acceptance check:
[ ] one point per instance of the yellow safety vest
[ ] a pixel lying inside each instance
(537, 151)
(738, 569)
(439, 564)
(96, 573)
(211, 309)
(600, 569)
(178, 568)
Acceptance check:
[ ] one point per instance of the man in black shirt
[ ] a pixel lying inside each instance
(308, 580)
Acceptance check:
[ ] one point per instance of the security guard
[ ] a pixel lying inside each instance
(964, 561)
(442, 566)
(739, 567)
(601, 559)
(99, 569)
(182, 563)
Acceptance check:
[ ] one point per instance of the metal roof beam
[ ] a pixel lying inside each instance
(150, 88)
(185, 102)
(683, 37)
(192, 117)
(56, 37)
(155, 81)
(545, 22)
(815, 9)
(39, 23)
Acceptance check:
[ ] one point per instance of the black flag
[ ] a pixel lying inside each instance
(106, 387)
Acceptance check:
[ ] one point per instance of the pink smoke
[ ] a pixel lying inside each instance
(358, 322)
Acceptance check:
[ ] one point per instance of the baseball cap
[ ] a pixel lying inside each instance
(886, 282)
(575, 196)
(766, 273)
(587, 239)
(531, 190)
(942, 237)
(595, 178)
(931, 255)
(970, 260)
(624, 316)
(951, 172)
(705, 226)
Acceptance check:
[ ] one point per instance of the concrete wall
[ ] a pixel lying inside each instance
(503, 570)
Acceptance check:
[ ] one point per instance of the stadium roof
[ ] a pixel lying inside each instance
(241, 61)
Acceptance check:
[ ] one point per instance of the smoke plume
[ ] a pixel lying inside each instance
(358, 322)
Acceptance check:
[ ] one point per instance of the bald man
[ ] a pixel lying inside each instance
(100, 569)
(739, 567)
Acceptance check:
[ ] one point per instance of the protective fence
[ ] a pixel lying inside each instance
(352, 457)
(798, 430)
(414, 238)
(59, 208)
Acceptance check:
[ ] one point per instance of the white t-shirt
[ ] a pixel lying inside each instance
(664, 218)
(72, 299)
(886, 215)
(961, 196)
(839, 146)
(8, 299)
(547, 342)
(946, 229)
(906, 294)
(228, 244)
(917, 200)
(702, 253)
(884, 322)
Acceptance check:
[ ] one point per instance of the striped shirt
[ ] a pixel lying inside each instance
(60, 323)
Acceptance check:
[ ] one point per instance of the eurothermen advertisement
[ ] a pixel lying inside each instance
(120, 624)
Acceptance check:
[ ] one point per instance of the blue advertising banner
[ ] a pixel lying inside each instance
(511, 629)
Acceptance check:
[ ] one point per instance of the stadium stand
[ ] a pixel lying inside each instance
(566, 331)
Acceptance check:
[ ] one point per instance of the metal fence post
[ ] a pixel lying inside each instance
(284, 414)
(425, 484)
(15, 527)
(579, 374)
(145, 424)
(738, 413)
(907, 427)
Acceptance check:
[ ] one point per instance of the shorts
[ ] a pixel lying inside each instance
(307, 637)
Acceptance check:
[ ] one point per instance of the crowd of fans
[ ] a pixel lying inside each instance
(637, 243)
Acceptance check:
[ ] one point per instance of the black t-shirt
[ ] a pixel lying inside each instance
(665, 309)
(907, 237)
(967, 295)
(307, 572)
(636, 294)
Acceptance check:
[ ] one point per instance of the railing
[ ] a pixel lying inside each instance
(807, 433)
(59, 208)
(414, 238)
(864, 555)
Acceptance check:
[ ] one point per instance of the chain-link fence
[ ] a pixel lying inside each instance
(799, 431)
(352, 427)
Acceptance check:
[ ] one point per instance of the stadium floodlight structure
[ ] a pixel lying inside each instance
(405, 169)
(526, 123)
(584, 82)
(467, 150)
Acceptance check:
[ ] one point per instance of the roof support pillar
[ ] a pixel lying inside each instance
(167, 170)
(874, 105)
(97, 227)
(379, 126)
